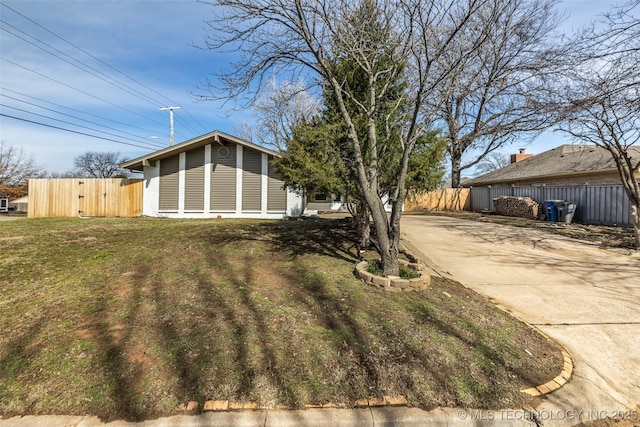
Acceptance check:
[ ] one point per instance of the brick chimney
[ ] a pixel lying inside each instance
(515, 158)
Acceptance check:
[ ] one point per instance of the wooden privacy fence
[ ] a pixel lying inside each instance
(87, 197)
(449, 199)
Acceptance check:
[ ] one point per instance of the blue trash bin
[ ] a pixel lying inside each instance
(551, 210)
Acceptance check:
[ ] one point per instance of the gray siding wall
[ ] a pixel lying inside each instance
(223, 177)
(194, 180)
(251, 180)
(276, 194)
(595, 204)
(169, 183)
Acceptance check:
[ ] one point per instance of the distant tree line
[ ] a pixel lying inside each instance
(17, 167)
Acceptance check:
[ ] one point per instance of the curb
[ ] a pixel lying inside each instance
(550, 386)
(359, 417)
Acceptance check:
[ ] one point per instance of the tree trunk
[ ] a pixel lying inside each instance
(390, 261)
(394, 238)
(385, 240)
(635, 219)
(456, 162)
(363, 227)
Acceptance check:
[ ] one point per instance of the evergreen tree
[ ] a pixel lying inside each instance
(321, 159)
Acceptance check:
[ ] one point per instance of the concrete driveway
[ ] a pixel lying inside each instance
(586, 298)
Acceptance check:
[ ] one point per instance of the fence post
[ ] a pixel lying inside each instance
(544, 193)
(584, 201)
(489, 198)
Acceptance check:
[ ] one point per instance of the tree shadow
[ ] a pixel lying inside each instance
(297, 237)
(113, 338)
(220, 329)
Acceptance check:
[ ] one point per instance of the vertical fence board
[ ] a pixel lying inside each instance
(450, 199)
(596, 204)
(110, 197)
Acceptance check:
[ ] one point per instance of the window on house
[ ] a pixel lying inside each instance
(320, 197)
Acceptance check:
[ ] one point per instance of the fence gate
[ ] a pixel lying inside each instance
(94, 198)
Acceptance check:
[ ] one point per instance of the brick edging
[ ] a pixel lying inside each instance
(226, 405)
(394, 283)
(557, 382)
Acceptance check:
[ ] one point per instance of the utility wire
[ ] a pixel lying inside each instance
(105, 64)
(88, 69)
(78, 90)
(71, 131)
(151, 145)
(142, 138)
(153, 132)
(94, 72)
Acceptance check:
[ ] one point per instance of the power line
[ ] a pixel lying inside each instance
(79, 111)
(151, 145)
(94, 72)
(73, 117)
(104, 63)
(78, 90)
(71, 131)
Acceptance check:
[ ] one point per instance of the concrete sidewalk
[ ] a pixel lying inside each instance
(371, 417)
(584, 297)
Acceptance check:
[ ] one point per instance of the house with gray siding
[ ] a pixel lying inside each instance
(214, 176)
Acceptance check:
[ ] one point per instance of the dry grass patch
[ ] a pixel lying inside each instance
(130, 318)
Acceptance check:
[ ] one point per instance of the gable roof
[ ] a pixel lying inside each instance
(215, 137)
(568, 159)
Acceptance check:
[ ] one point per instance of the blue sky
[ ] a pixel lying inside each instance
(145, 45)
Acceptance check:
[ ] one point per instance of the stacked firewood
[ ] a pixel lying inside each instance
(522, 207)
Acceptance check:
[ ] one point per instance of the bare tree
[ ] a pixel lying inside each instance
(279, 107)
(600, 97)
(490, 99)
(492, 162)
(244, 130)
(95, 164)
(16, 167)
(306, 38)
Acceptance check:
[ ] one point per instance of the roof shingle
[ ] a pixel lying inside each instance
(566, 159)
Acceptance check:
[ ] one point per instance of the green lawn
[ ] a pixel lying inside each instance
(130, 318)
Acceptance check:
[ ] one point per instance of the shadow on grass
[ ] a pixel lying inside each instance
(297, 237)
(113, 338)
(216, 328)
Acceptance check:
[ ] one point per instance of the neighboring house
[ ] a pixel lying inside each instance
(214, 175)
(20, 205)
(564, 165)
(323, 202)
